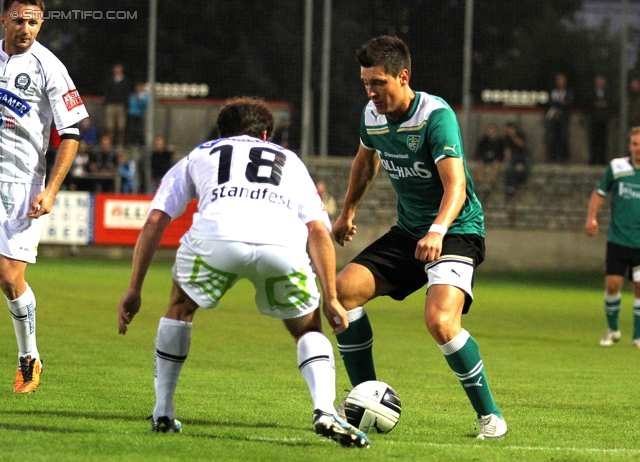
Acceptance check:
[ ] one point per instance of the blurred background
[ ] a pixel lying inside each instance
(257, 48)
(496, 62)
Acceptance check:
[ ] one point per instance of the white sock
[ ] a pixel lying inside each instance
(172, 348)
(23, 312)
(315, 361)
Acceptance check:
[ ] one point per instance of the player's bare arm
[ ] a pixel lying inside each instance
(143, 253)
(451, 171)
(43, 202)
(323, 257)
(595, 202)
(363, 171)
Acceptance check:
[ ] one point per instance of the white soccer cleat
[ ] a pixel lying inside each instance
(333, 427)
(610, 337)
(635, 342)
(491, 426)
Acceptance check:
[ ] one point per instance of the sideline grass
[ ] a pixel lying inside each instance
(240, 396)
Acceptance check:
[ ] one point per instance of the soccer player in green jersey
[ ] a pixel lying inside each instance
(622, 180)
(439, 236)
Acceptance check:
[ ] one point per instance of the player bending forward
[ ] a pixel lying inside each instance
(257, 208)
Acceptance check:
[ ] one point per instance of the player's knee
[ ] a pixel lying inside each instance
(442, 326)
(12, 283)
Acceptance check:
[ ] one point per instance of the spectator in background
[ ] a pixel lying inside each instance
(489, 156)
(557, 121)
(116, 96)
(161, 162)
(328, 200)
(518, 166)
(282, 133)
(102, 162)
(88, 132)
(127, 172)
(634, 102)
(138, 101)
(599, 113)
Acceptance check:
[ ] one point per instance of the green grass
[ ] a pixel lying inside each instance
(241, 397)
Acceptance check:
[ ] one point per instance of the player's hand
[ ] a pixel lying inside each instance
(127, 309)
(343, 230)
(41, 205)
(591, 227)
(429, 247)
(336, 315)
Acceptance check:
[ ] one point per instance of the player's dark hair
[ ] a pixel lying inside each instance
(7, 3)
(390, 52)
(245, 116)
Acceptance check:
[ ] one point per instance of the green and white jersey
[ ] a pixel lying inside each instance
(409, 150)
(623, 181)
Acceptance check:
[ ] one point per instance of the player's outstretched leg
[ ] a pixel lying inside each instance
(23, 312)
(317, 367)
(356, 347)
(172, 348)
(463, 355)
(331, 426)
(612, 310)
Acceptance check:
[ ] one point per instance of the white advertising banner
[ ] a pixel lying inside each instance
(70, 220)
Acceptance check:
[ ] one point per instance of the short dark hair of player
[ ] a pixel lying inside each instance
(245, 116)
(388, 51)
(7, 3)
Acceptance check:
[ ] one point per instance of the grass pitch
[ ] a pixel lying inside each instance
(241, 397)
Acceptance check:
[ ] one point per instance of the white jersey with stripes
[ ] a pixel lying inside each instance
(35, 91)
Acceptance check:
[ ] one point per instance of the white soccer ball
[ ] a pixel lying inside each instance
(373, 405)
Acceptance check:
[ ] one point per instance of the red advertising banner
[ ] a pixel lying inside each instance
(120, 217)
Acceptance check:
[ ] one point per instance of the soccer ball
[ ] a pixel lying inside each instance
(373, 406)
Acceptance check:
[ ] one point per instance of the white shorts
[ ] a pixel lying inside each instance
(452, 270)
(19, 234)
(283, 278)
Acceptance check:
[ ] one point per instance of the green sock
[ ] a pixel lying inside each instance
(463, 355)
(356, 347)
(636, 318)
(612, 310)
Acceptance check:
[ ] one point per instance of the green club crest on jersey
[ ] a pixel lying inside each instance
(412, 142)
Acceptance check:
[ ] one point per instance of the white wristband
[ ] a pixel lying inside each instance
(436, 228)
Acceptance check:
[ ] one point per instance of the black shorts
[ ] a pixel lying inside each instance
(391, 258)
(621, 260)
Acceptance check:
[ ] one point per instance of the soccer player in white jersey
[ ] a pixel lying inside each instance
(257, 209)
(35, 90)
(621, 179)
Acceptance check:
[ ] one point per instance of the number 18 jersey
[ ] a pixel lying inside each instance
(248, 190)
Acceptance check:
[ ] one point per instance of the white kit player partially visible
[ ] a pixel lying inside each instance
(35, 90)
(257, 209)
